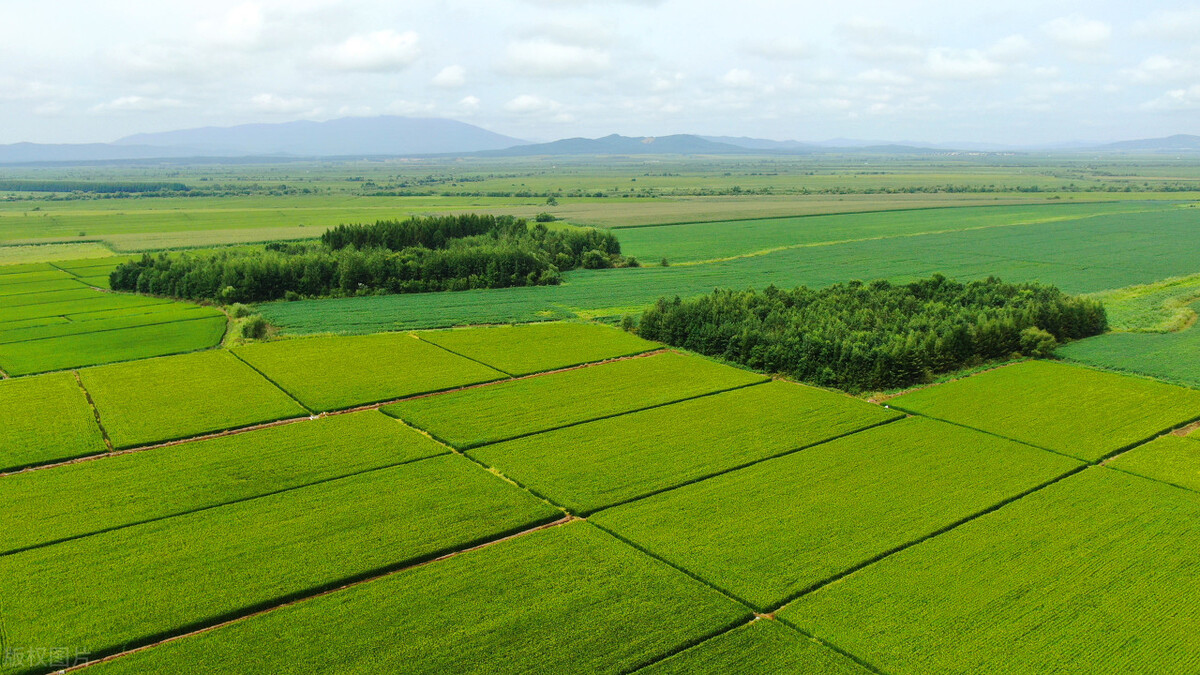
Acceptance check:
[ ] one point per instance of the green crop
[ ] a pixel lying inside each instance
(521, 350)
(329, 373)
(128, 489)
(116, 589)
(45, 419)
(473, 417)
(598, 464)
(1077, 411)
(758, 647)
(1166, 356)
(1085, 576)
(570, 599)
(1170, 459)
(180, 396)
(769, 532)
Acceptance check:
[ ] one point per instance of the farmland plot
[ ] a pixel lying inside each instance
(570, 599)
(45, 419)
(64, 327)
(1166, 356)
(109, 346)
(101, 301)
(758, 647)
(1170, 459)
(1076, 411)
(47, 296)
(598, 464)
(773, 530)
(90, 497)
(12, 290)
(180, 396)
(129, 586)
(1083, 576)
(521, 350)
(473, 417)
(329, 373)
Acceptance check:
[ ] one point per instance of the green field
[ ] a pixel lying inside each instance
(770, 532)
(473, 417)
(64, 327)
(330, 373)
(758, 647)
(110, 346)
(175, 397)
(125, 490)
(207, 566)
(521, 350)
(1077, 411)
(570, 599)
(590, 466)
(46, 419)
(1165, 356)
(1169, 459)
(1073, 254)
(1083, 576)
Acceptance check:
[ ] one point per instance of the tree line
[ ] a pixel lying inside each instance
(449, 253)
(875, 336)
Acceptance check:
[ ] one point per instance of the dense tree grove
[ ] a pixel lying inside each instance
(867, 337)
(421, 254)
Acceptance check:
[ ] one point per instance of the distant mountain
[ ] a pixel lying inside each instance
(1177, 143)
(346, 137)
(760, 143)
(679, 144)
(385, 135)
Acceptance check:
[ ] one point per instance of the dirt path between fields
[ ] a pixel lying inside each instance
(207, 629)
(294, 420)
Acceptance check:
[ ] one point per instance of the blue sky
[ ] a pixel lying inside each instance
(1017, 72)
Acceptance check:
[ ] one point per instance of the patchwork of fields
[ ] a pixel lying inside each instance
(568, 498)
(55, 316)
(1069, 245)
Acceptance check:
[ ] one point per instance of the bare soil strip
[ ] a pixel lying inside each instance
(201, 631)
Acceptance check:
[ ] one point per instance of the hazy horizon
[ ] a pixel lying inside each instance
(934, 72)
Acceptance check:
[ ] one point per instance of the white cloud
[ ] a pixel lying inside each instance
(1078, 33)
(136, 104)
(738, 78)
(1176, 99)
(469, 105)
(961, 64)
(1011, 49)
(780, 49)
(543, 58)
(882, 77)
(241, 26)
(450, 77)
(880, 41)
(664, 82)
(1172, 24)
(587, 32)
(411, 108)
(1159, 68)
(377, 51)
(528, 105)
(274, 104)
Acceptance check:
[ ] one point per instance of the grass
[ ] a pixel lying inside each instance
(761, 646)
(1160, 307)
(136, 584)
(1084, 576)
(1170, 459)
(473, 417)
(570, 599)
(713, 240)
(101, 302)
(598, 464)
(521, 350)
(45, 419)
(769, 532)
(125, 490)
(41, 253)
(1165, 356)
(329, 373)
(168, 314)
(124, 344)
(1073, 254)
(181, 396)
(1077, 411)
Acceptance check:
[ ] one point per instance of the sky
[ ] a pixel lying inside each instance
(1017, 72)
